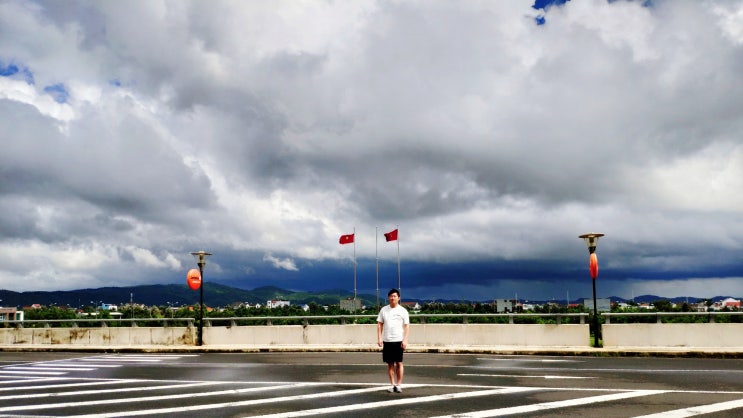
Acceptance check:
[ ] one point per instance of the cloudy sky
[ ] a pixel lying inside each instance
(492, 133)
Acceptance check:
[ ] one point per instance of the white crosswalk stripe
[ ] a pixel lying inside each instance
(101, 398)
(84, 364)
(698, 410)
(37, 389)
(32, 372)
(523, 409)
(398, 402)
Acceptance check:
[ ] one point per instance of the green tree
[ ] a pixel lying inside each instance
(51, 312)
(662, 305)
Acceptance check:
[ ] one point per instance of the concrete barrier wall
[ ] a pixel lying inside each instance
(433, 335)
(706, 335)
(255, 335)
(672, 335)
(98, 336)
(533, 335)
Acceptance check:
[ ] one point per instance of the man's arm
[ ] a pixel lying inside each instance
(379, 333)
(405, 330)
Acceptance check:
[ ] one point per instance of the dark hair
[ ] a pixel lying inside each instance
(393, 291)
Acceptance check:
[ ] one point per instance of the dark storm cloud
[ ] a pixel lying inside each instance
(141, 131)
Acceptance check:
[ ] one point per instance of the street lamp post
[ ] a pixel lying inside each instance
(201, 261)
(592, 240)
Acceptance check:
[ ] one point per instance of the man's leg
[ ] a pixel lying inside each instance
(391, 372)
(399, 370)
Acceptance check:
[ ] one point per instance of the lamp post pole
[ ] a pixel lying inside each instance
(592, 240)
(201, 261)
(595, 318)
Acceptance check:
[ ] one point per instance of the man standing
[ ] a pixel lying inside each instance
(393, 324)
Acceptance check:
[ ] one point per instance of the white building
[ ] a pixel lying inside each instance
(411, 306)
(277, 303)
(727, 303)
(503, 305)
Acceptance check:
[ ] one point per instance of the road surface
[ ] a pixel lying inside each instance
(355, 384)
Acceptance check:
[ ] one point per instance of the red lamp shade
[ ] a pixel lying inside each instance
(193, 278)
(593, 266)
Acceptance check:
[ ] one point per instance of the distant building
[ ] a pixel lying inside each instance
(350, 304)
(277, 303)
(10, 314)
(526, 306)
(730, 303)
(193, 308)
(411, 306)
(503, 305)
(602, 304)
(698, 307)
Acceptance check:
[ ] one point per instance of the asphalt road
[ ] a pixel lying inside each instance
(355, 384)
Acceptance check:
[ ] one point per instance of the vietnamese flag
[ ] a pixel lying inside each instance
(391, 236)
(346, 239)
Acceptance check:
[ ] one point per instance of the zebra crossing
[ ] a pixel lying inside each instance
(84, 364)
(69, 399)
(73, 390)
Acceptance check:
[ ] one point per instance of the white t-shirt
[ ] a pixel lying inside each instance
(393, 320)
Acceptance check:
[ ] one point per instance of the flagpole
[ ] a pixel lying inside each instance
(354, 269)
(399, 287)
(376, 253)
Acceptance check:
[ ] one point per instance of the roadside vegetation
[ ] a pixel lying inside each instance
(642, 314)
(431, 313)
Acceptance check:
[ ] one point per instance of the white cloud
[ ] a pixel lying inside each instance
(22, 92)
(286, 263)
(731, 20)
(144, 257)
(172, 262)
(704, 181)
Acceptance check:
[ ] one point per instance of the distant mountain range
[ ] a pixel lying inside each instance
(647, 299)
(652, 298)
(220, 295)
(175, 295)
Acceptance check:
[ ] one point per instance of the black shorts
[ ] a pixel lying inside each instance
(392, 352)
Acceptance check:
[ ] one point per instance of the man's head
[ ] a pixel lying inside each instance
(394, 297)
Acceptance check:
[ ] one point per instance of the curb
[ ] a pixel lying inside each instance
(707, 352)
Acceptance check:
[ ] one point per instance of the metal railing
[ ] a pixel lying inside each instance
(510, 318)
(100, 323)
(414, 318)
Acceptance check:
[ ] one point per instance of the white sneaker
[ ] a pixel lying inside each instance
(397, 389)
(391, 389)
